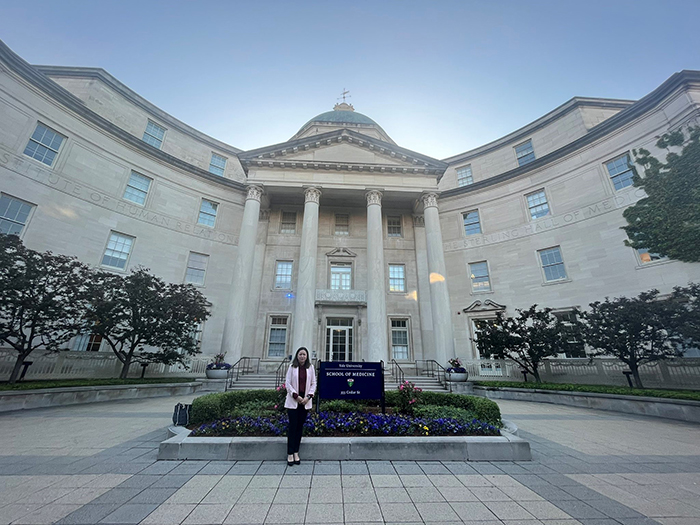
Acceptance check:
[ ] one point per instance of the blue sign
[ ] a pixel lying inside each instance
(350, 380)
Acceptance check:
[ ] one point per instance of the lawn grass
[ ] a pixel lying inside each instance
(691, 395)
(32, 385)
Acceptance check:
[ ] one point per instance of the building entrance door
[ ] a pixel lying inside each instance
(339, 339)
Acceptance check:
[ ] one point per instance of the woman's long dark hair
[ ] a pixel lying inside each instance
(307, 363)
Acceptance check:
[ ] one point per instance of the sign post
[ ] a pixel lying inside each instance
(350, 380)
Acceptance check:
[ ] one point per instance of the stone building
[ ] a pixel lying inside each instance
(338, 239)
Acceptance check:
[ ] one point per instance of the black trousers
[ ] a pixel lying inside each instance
(297, 417)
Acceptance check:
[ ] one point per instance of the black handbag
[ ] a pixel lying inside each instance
(181, 415)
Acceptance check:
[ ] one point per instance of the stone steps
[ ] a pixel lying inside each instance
(267, 381)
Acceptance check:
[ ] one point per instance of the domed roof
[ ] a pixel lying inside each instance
(342, 113)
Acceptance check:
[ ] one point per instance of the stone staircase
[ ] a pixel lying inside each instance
(254, 382)
(428, 384)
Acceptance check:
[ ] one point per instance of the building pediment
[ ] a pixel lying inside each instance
(341, 150)
(341, 252)
(483, 306)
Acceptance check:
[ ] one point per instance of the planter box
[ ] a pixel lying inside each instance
(456, 376)
(217, 373)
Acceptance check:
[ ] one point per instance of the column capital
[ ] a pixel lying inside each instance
(374, 197)
(254, 193)
(419, 221)
(312, 194)
(430, 200)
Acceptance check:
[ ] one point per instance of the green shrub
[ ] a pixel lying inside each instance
(255, 408)
(437, 412)
(339, 405)
(483, 409)
(205, 409)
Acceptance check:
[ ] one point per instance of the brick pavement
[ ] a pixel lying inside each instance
(96, 464)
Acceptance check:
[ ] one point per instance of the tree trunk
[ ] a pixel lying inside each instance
(125, 367)
(536, 373)
(17, 368)
(635, 374)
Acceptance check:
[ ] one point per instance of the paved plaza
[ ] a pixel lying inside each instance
(97, 464)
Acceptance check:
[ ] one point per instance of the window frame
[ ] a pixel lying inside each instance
(216, 212)
(276, 273)
(128, 257)
(529, 208)
(400, 226)
(145, 132)
(32, 207)
(631, 169)
(147, 192)
(343, 264)
(407, 329)
(467, 180)
(57, 152)
(211, 164)
(282, 223)
(478, 222)
(641, 263)
(470, 273)
(518, 156)
(405, 285)
(335, 225)
(268, 333)
(564, 279)
(187, 268)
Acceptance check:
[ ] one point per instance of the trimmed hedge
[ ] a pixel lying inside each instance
(443, 412)
(64, 383)
(691, 395)
(215, 406)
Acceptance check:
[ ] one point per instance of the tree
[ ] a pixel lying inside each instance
(667, 221)
(635, 330)
(528, 338)
(42, 299)
(688, 322)
(144, 319)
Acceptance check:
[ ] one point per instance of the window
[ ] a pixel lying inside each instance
(342, 224)
(471, 222)
(525, 153)
(289, 222)
(574, 345)
(645, 256)
(552, 264)
(154, 134)
(13, 215)
(196, 268)
(87, 342)
(341, 276)
(283, 275)
(399, 339)
(537, 204)
(217, 166)
(621, 172)
(394, 226)
(479, 275)
(43, 145)
(464, 176)
(137, 188)
(117, 251)
(277, 343)
(397, 278)
(207, 213)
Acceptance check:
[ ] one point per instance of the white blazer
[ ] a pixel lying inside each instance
(292, 384)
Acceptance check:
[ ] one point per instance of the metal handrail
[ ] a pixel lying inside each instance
(397, 372)
(431, 368)
(281, 372)
(240, 368)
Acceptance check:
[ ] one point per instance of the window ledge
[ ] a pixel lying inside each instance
(560, 281)
(641, 266)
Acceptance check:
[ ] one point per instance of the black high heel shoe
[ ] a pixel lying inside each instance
(297, 462)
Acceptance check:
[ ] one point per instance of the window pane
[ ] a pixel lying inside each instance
(289, 222)
(43, 145)
(154, 134)
(217, 166)
(552, 264)
(397, 278)
(464, 176)
(479, 275)
(207, 213)
(341, 277)
(283, 275)
(278, 337)
(137, 188)
(525, 153)
(471, 223)
(393, 226)
(342, 224)
(537, 203)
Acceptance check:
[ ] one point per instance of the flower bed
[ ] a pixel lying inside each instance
(346, 424)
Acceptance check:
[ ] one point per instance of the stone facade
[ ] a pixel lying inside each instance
(339, 239)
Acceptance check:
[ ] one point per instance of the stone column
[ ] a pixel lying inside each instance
(377, 348)
(303, 322)
(234, 327)
(439, 296)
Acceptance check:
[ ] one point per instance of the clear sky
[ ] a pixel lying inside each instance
(441, 77)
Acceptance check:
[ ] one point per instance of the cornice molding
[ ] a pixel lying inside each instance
(28, 73)
(483, 306)
(675, 82)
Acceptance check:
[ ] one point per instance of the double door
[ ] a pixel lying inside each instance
(339, 339)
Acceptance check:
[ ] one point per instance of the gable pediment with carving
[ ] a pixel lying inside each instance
(341, 252)
(341, 150)
(483, 306)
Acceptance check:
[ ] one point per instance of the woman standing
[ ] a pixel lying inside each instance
(301, 386)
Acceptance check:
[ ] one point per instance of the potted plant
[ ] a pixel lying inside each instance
(456, 372)
(218, 368)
